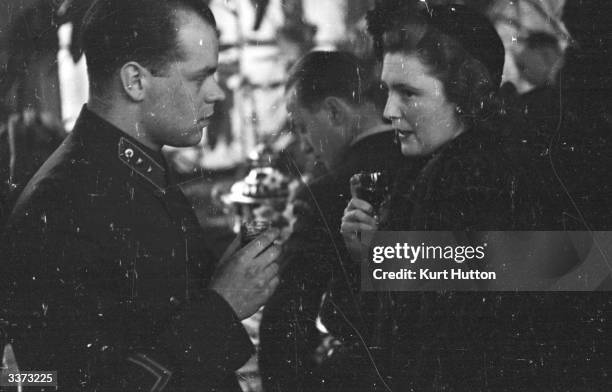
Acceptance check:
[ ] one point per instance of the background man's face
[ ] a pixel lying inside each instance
(315, 129)
(179, 104)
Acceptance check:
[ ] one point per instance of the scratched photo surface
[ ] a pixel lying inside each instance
(248, 195)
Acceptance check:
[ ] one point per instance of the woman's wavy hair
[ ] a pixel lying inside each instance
(460, 47)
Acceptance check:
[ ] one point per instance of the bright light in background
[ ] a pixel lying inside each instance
(73, 81)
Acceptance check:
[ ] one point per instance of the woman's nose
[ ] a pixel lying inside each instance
(392, 111)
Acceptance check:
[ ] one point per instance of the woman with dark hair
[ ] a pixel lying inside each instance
(443, 66)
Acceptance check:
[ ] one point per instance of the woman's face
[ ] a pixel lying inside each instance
(417, 105)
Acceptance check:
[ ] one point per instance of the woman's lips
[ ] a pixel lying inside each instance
(404, 133)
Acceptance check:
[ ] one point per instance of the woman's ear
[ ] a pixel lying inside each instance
(133, 79)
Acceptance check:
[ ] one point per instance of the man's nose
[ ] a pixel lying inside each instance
(215, 93)
(306, 143)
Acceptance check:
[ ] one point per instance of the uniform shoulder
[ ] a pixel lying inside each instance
(41, 196)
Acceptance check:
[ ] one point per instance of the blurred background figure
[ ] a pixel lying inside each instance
(26, 141)
(43, 68)
(42, 86)
(29, 78)
(558, 88)
(294, 41)
(31, 125)
(535, 39)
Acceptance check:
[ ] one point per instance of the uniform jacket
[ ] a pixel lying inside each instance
(105, 273)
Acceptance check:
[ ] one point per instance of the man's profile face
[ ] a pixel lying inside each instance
(179, 103)
(314, 128)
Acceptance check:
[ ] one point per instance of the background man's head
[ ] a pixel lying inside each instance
(329, 100)
(155, 60)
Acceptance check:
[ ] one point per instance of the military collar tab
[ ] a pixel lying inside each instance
(141, 163)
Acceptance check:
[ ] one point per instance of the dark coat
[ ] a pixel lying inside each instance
(566, 139)
(478, 181)
(105, 271)
(470, 341)
(479, 341)
(315, 255)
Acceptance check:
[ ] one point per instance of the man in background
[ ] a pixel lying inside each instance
(104, 274)
(338, 109)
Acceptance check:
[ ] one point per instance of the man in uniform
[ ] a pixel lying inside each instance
(105, 278)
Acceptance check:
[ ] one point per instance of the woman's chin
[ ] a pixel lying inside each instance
(411, 148)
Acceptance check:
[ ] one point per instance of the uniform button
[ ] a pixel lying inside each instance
(129, 153)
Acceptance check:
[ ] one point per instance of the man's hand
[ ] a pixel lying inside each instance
(249, 277)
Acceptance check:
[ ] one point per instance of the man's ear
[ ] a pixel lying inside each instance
(337, 109)
(133, 80)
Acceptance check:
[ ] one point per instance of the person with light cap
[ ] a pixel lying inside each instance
(535, 39)
(557, 80)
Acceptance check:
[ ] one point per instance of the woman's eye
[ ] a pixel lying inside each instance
(406, 93)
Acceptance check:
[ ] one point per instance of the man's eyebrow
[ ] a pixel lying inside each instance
(207, 71)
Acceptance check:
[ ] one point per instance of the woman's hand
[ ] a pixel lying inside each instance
(357, 219)
(358, 216)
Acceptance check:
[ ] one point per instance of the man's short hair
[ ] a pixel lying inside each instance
(321, 74)
(118, 31)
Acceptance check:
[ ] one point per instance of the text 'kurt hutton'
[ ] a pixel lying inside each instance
(427, 274)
